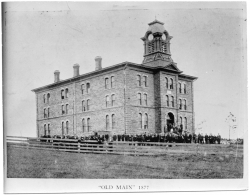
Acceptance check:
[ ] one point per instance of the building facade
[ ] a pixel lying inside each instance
(124, 98)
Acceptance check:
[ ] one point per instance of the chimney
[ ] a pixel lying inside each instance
(76, 70)
(98, 63)
(57, 76)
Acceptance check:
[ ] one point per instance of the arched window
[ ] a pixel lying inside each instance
(112, 99)
(185, 122)
(67, 127)
(67, 108)
(82, 88)
(146, 99)
(185, 104)
(112, 82)
(83, 106)
(107, 122)
(146, 121)
(171, 83)
(88, 124)
(66, 92)
(88, 104)
(145, 81)
(48, 97)
(107, 101)
(172, 101)
(167, 99)
(139, 98)
(48, 129)
(113, 121)
(45, 130)
(44, 113)
(140, 120)
(48, 112)
(139, 80)
(44, 98)
(166, 82)
(185, 88)
(83, 124)
(179, 86)
(62, 94)
(180, 120)
(88, 87)
(62, 128)
(180, 104)
(106, 83)
(63, 112)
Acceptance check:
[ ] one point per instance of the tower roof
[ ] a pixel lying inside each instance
(156, 26)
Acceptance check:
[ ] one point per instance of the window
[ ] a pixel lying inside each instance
(145, 81)
(107, 101)
(45, 131)
(179, 84)
(107, 122)
(113, 121)
(172, 101)
(48, 112)
(180, 120)
(180, 104)
(44, 113)
(88, 124)
(67, 127)
(112, 99)
(146, 121)
(167, 83)
(83, 106)
(62, 94)
(48, 97)
(185, 119)
(63, 112)
(88, 104)
(88, 87)
(44, 98)
(145, 99)
(140, 120)
(139, 98)
(67, 92)
(82, 88)
(48, 129)
(112, 82)
(185, 104)
(83, 124)
(185, 88)
(167, 98)
(171, 83)
(139, 80)
(62, 128)
(67, 109)
(106, 83)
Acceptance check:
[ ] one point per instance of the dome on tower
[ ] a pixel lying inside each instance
(156, 27)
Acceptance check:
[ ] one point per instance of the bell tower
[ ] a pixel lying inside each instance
(157, 45)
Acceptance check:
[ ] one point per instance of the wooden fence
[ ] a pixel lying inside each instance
(122, 147)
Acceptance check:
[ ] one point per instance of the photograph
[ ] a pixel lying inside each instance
(124, 96)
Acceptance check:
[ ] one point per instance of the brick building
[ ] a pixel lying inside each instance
(124, 98)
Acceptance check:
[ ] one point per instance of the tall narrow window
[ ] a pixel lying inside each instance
(62, 94)
(185, 88)
(45, 131)
(145, 99)
(67, 127)
(83, 106)
(107, 122)
(106, 83)
(140, 120)
(67, 109)
(145, 83)
(48, 97)
(88, 104)
(180, 120)
(44, 113)
(180, 104)
(62, 128)
(112, 99)
(88, 124)
(185, 104)
(48, 129)
(167, 99)
(107, 101)
(48, 112)
(146, 121)
(185, 119)
(112, 82)
(113, 121)
(179, 84)
(139, 80)
(171, 83)
(172, 101)
(166, 82)
(139, 98)
(88, 87)
(44, 98)
(66, 92)
(83, 124)
(82, 88)
(63, 112)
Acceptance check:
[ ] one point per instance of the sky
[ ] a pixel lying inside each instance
(209, 42)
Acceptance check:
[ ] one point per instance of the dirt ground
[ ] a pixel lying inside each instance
(33, 163)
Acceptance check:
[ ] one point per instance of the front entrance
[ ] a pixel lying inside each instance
(170, 119)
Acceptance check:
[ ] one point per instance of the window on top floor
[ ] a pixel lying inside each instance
(145, 82)
(112, 82)
(167, 83)
(184, 88)
(62, 94)
(179, 86)
(88, 87)
(171, 83)
(44, 98)
(48, 97)
(66, 92)
(106, 83)
(82, 88)
(139, 80)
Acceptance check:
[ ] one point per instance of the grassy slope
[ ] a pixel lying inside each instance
(32, 163)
